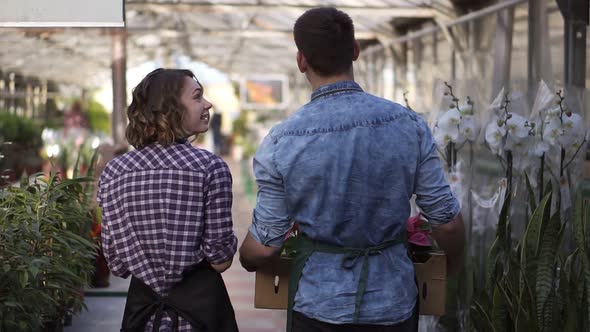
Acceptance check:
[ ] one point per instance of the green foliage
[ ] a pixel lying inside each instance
(533, 285)
(18, 130)
(99, 119)
(243, 136)
(45, 251)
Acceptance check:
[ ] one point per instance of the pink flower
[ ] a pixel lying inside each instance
(417, 230)
(292, 232)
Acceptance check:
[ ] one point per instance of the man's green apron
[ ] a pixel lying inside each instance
(305, 247)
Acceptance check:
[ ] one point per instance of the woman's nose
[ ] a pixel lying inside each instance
(208, 105)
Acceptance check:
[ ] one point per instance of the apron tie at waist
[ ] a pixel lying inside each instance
(305, 247)
(172, 311)
(200, 299)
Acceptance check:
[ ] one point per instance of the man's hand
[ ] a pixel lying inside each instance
(254, 254)
(451, 238)
(223, 266)
(246, 266)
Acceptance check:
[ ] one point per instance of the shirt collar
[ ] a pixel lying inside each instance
(331, 88)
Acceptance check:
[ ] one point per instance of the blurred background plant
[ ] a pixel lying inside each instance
(46, 251)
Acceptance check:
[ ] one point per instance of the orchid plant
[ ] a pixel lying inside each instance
(455, 127)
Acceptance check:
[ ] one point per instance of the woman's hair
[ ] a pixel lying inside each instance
(156, 112)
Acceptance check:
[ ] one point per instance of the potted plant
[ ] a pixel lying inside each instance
(45, 250)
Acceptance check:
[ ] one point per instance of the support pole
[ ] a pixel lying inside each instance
(503, 50)
(576, 17)
(539, 62)
(118, 71)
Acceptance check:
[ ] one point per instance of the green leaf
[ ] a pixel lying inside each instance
(580, 221)
(483, 321)
(499, 247)
(532, 238)
(23, 279)
(572, 318)
(499, 310)
(501, 233)
(34, 271)
(546, 265)
(76, 168)
(579, 224)
(531, 193)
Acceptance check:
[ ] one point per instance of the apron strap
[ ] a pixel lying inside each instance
(305, 247)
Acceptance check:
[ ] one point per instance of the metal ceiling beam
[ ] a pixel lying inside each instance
(460, 20)
(409, 11)
(254, 33)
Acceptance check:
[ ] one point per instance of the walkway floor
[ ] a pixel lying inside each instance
(105, 306)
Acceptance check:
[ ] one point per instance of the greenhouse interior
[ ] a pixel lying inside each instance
(502, 85)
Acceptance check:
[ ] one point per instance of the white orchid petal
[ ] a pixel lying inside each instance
(493, 134)
(442, 136)
(553, 112)
(450, 118)
(574, 130)
(469, 127)
(541, 147)
(516, 126)
(552, 130)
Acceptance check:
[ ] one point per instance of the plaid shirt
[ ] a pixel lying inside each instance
(165, 209)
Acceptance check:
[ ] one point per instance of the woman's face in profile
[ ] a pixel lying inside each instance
(196, 119)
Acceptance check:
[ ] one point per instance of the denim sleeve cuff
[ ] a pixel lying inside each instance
(444, 214)
(268, 236)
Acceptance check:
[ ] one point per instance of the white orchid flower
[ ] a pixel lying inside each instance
(450, 118)
(522, 150)
(447, 128)
(567, 134)
(494, 135)
(469, 128)
(553, 130)
(540, 147)
(574, 131)
(516, 127)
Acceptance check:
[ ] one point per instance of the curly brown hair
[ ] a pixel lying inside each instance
(156, 112)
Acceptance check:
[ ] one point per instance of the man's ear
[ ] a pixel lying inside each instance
(357, 50)
(301, 62)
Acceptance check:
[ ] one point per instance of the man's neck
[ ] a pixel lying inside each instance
(316, 81)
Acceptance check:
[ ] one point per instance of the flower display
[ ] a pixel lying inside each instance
(458, 124)
(418, 231)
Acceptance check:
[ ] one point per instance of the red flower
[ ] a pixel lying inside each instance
(418, 229)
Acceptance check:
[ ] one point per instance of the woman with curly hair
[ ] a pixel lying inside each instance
(167, 212)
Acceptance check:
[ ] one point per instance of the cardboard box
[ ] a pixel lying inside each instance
(432, 284)
(272, 284)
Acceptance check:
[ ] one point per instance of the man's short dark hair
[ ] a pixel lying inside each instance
(325, 37)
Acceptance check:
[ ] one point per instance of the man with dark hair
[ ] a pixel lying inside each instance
(344, 168)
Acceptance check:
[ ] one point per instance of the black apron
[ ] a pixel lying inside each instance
(200, 298)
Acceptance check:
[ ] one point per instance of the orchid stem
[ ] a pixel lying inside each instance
(575, 154)
(540, 180)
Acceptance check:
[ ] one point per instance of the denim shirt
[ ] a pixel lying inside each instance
(345, 167)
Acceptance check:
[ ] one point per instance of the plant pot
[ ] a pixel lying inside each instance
(56, 325)
(100, 277)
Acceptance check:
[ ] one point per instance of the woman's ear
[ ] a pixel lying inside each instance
(357, 50)
(301, 62)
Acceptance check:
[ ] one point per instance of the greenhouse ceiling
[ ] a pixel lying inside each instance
(234, 36)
